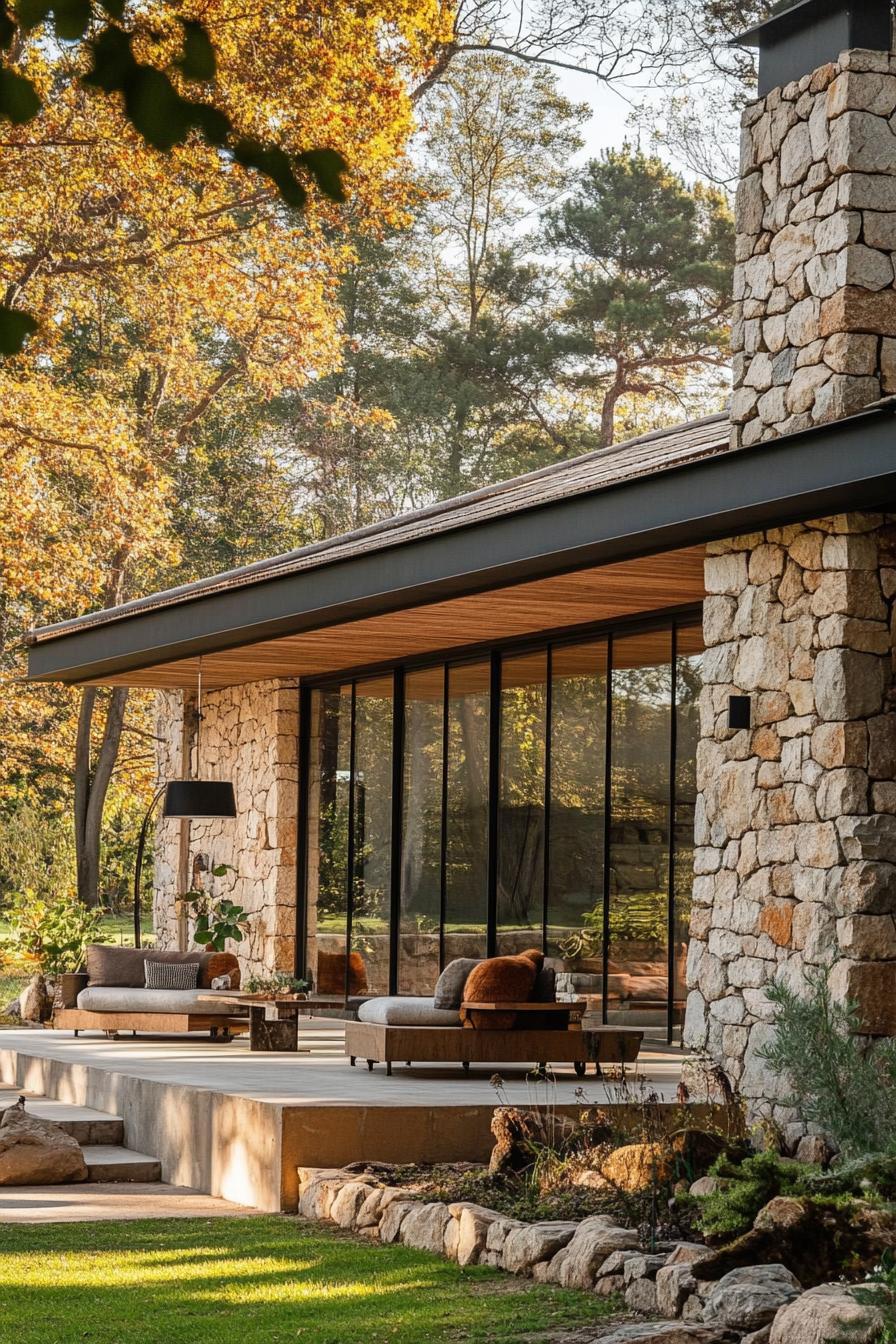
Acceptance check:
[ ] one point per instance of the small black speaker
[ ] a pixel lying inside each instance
(739, 715)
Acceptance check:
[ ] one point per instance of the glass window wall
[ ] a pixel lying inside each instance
(546, 799)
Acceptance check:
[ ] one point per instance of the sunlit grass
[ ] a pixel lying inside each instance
(260, 1281)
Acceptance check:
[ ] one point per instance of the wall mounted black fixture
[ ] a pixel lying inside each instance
(739, 712)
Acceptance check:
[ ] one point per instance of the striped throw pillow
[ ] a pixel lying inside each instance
(171, 974)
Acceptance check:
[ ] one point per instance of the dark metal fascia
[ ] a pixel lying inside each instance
(849, 465)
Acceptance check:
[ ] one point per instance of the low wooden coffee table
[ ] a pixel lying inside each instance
(274, 1023)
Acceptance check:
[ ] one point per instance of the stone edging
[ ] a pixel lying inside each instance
(756, 1304)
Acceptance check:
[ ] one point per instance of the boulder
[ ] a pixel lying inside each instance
(36, 1001)
(376, 1203)
(830, 1313)
(317, 1191)
(394, 1216)
(640, 1296)
(578, 1264)
(527, 1246)
(642, 1267)
(473, 1223)
(637, 1166)
(674, 1285)
(37, 1152)
(347, 1203)
(749, 1298)
(423, 1227)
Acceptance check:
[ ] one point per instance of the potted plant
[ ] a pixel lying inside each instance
(218, 919)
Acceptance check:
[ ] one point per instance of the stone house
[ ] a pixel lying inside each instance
(638, 707)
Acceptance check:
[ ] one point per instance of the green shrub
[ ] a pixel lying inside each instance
(744, 1188)
(52, 935)
(838, 1084)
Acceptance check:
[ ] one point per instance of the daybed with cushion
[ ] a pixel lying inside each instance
(496, 1011)
(138, 989)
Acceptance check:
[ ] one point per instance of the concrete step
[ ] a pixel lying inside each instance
(111, 1163)
(82, 1122)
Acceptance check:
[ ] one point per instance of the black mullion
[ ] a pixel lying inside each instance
(670, 921)
(398, 709)
(443, 852)
(546, 840)
(494, 748)
(608, 757)
(350, 857)
(300, 960)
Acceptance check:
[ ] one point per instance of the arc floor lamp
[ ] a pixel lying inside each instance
(186, 799)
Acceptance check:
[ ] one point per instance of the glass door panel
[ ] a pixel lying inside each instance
(421, 848)
(466, 817)
(575, 898)
(328, 829)
(373, 830)
(638, 982)
(688, 682)
(521, 796)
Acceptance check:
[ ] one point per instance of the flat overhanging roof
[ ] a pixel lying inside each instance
(669, 491)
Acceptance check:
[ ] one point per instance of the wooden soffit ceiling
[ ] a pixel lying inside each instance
(632, 587)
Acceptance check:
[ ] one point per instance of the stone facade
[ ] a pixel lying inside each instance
(814, 336)
(796, 817)
(250, 736)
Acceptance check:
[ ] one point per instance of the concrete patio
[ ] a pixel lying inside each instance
(236, 1125)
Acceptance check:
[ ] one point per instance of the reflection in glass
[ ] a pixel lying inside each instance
(575, 909)
(639, 824)
(328, 811)
(421, 848)
(520, 894)
(373, 829)
(466, 819)
(689, 658)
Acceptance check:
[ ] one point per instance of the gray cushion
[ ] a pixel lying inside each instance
(449, 991)
(110, 965)
(127, 999)
(407, 1012)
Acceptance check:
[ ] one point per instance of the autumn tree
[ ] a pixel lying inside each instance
(648, 286)
(162, 284)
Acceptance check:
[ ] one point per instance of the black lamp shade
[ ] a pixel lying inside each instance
(199, 798)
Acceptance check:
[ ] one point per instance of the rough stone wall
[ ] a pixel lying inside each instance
(796, 817)
(250, 736)
(815, 320)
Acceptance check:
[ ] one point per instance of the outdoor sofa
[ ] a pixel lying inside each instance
(455, 1025)
(114, 995)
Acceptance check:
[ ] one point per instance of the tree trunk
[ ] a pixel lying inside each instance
(92, 778)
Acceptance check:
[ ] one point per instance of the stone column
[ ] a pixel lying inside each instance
(796, 817)
(815, 322)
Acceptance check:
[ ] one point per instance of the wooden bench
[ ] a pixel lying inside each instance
(539, 1046)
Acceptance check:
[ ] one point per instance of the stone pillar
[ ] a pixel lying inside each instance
(815, 319)
(250, 736)
(796, 817)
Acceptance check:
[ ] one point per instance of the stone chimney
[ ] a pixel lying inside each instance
(814, 335)
(795, 822)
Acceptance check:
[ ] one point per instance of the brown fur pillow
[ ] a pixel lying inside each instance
(213, 964)
(502, 980)
(331, 973)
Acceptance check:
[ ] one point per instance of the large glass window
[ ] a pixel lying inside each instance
(521, 798)
(372, 817)
(640, 762)
(466, 811)
(544, 798)
(419, 944)
(575, 897)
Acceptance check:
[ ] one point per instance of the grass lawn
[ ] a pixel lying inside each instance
(263, 1280)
